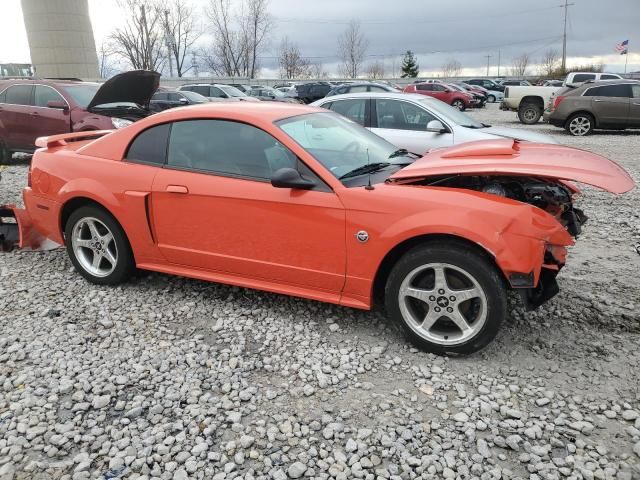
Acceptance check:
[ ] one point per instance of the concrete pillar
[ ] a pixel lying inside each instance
(60, 38)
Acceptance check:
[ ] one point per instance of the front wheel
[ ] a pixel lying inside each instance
(459, 104)
(98, 247)
(447, 298)
(491, 99)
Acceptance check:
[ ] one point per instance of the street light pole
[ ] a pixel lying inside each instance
(488, 57)
(168, 41)
(564, 36)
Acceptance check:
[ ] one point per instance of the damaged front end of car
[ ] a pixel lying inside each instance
(537, 175)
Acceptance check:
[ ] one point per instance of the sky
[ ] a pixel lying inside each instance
(436, 30)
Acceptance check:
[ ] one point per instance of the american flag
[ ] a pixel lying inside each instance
(623, 47)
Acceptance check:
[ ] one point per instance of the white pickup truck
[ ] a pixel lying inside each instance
(528, 101)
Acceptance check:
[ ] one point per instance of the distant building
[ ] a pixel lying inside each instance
(16, 70)
(60, 38)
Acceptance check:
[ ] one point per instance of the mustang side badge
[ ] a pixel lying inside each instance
(362, 236)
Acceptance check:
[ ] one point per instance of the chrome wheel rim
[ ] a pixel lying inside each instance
(491, 99)
(530, 114)
(458, 104)
(94, 247)
(442, 303)
(579, 126)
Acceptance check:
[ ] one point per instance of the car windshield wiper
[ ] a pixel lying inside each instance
(367, 168)
(399, 153)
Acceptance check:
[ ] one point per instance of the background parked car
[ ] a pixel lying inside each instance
(611, 104)
(170, 99)
(442, 92)
(416, 122)
(242, 87)
(486, 83)
(269, 94)
(360, 88)
(218, 92)
(528, 101)
(310, 92)
(477, 100)
(289, 91)
(574, 79)
(39, 107)
(552, 83)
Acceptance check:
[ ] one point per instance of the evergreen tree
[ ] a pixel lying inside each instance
(410, 67)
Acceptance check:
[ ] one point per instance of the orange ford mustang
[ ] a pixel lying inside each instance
(301, 201)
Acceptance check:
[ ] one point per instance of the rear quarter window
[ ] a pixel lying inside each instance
(150, 146)
(19, 95)
(609, 77)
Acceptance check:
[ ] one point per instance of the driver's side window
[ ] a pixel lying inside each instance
(352, 109)
(400, 115)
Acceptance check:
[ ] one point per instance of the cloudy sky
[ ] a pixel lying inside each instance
(437, 30)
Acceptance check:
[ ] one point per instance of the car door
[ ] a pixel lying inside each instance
(50, 121)
(634, 108)
(610, 104)
(441, 92)
(214, 208)
(404, 124)
(16, 112)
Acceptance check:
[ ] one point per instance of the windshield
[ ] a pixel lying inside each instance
(450, 113)
(232, 91)
(82, 94)
(340, 144)
(194, 97)
(274, 92)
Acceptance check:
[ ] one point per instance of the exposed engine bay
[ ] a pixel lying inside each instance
(551, 196)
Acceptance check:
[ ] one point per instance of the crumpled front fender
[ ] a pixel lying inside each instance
(16, 231)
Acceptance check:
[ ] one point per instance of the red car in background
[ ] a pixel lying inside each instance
(442, 92)
(32, 108)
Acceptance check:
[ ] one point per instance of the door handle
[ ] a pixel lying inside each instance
(636, 103)
(177, 189)
(35, 114)
(597, 100)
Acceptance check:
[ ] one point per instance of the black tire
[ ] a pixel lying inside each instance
(459, 104)
(529, 113)
(489, 311)
(586, 119)
(124, 265)
(5, 154)
(491, 99)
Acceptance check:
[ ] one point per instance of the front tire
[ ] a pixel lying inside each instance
(529, 113)
(98, 246)
(449, 299)
(459, 104)
(491, 99)
(580, 124)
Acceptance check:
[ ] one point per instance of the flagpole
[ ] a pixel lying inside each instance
(626, 59)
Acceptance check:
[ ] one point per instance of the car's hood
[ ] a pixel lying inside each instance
(519, 134)
(510, 157)
(136, 86)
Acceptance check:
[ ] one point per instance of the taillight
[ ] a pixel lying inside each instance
(556, 102)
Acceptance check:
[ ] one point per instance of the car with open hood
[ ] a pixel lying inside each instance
(419, 123)
(32, 108)
(298, 200)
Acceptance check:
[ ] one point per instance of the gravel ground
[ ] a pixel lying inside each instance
(172, 378)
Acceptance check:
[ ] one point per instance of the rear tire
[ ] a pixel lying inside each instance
(455, 316)
(529, 113)
(580, 124)
(98, 246)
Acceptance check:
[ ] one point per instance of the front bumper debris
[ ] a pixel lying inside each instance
(16, 231)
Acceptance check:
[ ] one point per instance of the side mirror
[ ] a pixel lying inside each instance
(436, 126)
(183, 101)
(57, 104)
(290, 178)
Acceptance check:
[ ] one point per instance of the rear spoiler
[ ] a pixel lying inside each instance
(64, 138)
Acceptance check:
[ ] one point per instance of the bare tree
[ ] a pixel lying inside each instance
(451, 68)
(352, 46)
(375, 70)
(181, 33)
(257, 23)
(316, 70)
(139, 39)
(107, 63)
(520, 65)
(292, 63)
(549, 62)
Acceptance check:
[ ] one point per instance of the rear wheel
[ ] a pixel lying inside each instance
(448, 299)
(529, 113)
(98, 247)
(459, 104)
(580, 124)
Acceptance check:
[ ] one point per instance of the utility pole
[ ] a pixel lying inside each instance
(498, 63)
(168, 41)
(488, 57)
(564, 36)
